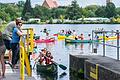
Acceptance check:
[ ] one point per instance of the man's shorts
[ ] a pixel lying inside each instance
(7, 44)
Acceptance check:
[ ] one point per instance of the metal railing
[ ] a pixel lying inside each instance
(26, 46)
(104, 41)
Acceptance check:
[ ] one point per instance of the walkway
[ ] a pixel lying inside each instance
(10, 75)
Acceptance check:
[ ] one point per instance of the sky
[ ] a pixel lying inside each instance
(82, 3)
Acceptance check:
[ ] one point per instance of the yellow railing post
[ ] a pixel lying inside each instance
(24, 52)
(97, 72)
(27, 40)
(22, 58)
(31, 39)
(22, 62)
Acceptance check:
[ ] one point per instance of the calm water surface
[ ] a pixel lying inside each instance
(61, 51)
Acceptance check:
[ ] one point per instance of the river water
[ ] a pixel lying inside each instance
(61, 51)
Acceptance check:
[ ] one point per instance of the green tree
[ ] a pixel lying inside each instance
(110, 10)
(21, 3)
(9, 11)
(42, 13)
(73, 11)
(93, 8)
(38, 11)
(100, 12)
(89, 11)
(56, 12)
(12, 11)
(4, 16)
(118, 11)
(85, 12)
(27, 10)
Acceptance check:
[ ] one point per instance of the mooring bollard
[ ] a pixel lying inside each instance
(95, 50)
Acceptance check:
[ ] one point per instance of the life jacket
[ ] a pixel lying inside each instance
(42, 59)
(49, 60)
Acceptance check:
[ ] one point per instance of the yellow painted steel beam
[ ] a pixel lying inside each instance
(94, 72)
(97, 77)
(22, 62)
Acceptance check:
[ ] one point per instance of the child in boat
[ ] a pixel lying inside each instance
(42, 56)
(62, 32)
(81, 37)
(47, 36)
(96, 37)
(49, 58)
(89, 37)
(75, 35)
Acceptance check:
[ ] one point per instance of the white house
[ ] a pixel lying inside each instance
(34, 19)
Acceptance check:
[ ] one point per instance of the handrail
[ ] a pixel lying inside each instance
(24, 53)
(104, 32)
(22, 62)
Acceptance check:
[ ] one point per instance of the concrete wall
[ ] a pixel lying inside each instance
(95, 67)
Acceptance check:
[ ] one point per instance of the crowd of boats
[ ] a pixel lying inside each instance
(44, 62)
(71, 36)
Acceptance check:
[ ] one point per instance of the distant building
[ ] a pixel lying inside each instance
(37, 20)
(95, 19)
(108, 1)
(50, 4)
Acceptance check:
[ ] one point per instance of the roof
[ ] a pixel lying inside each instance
(50, 3)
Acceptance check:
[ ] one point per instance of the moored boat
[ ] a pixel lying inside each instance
(79, 41)
(50, 69)
(44, 40)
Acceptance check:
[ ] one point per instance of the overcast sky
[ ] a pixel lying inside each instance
(82, 3)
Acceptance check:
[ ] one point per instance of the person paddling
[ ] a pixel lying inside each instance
(81, 37)
(48, 58)
(41, 56)
(89, 37)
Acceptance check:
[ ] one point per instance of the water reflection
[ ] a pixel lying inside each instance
(46, 77)
(75, 76)
(81, 47)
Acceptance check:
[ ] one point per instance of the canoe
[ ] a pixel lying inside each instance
(50, 69)
(44, 40)
(79, 41)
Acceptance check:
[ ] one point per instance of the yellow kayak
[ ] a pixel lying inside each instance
(108, 38)
(61, 37)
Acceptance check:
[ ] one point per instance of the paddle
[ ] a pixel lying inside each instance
(60, 65)
(34, 64)
(62, 75)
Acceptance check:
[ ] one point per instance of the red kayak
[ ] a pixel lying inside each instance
(44, 40)
(55, 34)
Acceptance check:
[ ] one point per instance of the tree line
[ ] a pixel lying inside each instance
(23, 9)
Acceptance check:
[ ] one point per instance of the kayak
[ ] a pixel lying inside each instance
(44, 40)
(64, 36)
(108, 38)
(79, 41)
(50, 69)
(36, 37)
(61, 37)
